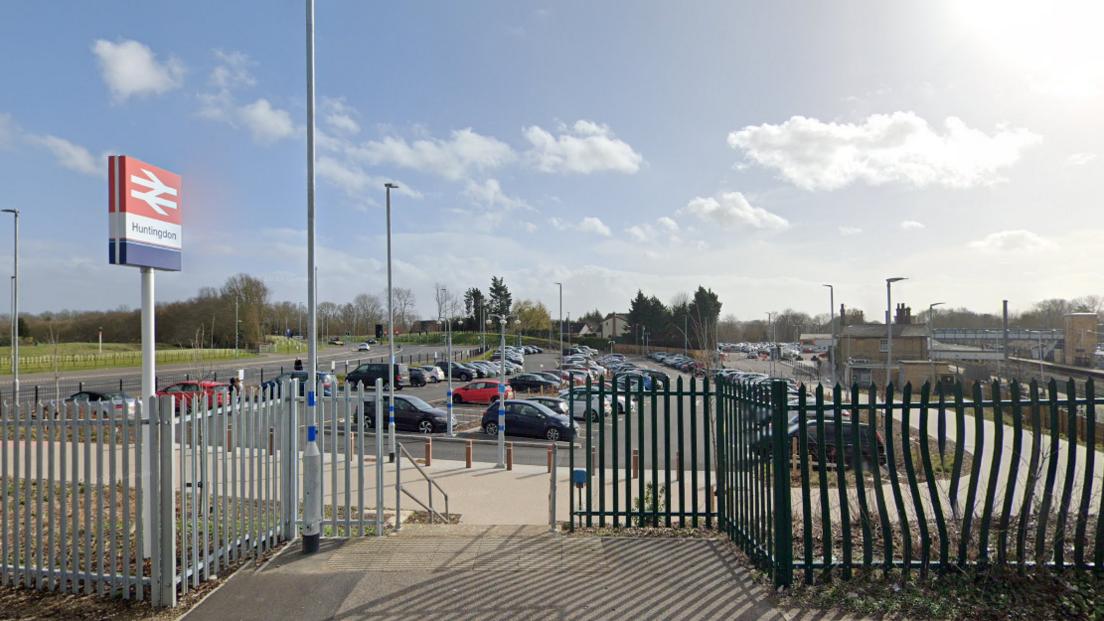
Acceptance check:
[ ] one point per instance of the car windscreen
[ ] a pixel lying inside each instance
(418, 403)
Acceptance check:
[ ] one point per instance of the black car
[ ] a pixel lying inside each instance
(411, 413)
(458, 370)
(528, 418)
(367, 374)
(417, 377)
(551, 376)
(531, 381)
(829, 443)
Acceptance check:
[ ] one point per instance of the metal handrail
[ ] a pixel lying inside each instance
(447, 517)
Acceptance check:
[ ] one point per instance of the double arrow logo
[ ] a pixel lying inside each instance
(156, 190)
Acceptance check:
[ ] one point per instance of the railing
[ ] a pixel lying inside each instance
(932, 481)
(446, 518)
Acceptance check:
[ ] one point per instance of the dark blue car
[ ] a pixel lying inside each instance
(527, 418)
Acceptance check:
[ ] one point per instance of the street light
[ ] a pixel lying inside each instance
(931, 340)
(502, 321)
(101, 340)
(15, 310)
(390, 334)
(832, 325)
(560, 285)
(236, 328)
(889, 324)
(770, 344)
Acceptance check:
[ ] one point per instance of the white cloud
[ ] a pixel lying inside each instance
(733, 209)
(529, 226)
(232, 71)
(339, 116)
(1012, 241)
(912, 225)
(898, 147)
(72, 156)
(668, 224)
(584, 148)
(130, 68)
(641, 232)
(489, 195)
(7, 130)
(849, 230)
(268, 124)
(451, 159)
(1080, 159)
(558, 224)
(594, 225)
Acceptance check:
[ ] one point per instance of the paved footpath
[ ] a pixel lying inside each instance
(494, 572)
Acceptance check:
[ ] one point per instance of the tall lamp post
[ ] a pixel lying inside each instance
(15, 311)
(101, 340)
(770, 344)
(832, 325)
(390, 335)
(889, 325)
(502, 321)
(931, 341)
(560, 285)
(236, 328)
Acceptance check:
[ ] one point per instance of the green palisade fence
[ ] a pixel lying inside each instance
(858, 480)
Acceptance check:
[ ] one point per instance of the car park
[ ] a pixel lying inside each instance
(411, 414)
(367, 373)
(483, 391)
(275, 385)
(528, 418)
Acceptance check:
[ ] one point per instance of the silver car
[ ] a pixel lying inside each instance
(433, 374)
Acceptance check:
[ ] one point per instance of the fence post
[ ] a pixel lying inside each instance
(783, 511)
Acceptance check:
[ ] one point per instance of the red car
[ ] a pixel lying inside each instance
(484, 391)
(187, 393)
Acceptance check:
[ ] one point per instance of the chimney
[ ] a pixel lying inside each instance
(903, 316)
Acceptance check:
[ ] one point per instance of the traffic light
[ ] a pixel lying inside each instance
(379, 330)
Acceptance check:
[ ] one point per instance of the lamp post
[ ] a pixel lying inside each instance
(931, 341)
(560, 285)
(448, 400)
(832, 325)
(889, 325)
(101, 340)
(390, 335)
(15, 310)
(502, 321)
(236, 328)
(685, 337)
(770, 344)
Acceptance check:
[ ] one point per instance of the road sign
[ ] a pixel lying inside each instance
(144, 224)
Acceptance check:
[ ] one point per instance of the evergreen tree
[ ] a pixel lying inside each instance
(501, 300)
(473, 299)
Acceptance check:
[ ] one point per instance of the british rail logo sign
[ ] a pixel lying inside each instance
(144, 215)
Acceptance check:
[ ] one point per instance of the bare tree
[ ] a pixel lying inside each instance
(405, 306)
(446, 301)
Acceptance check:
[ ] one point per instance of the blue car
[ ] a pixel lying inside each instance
(329, 382)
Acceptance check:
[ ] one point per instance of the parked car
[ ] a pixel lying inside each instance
(411, 413)
(329, 383)
(829, 444)
(86, 402)
(433, 374)
(592, 407)
(458, 371)
(186, 394)
(370, 341)
(531, 381)
(553, 376)
(417, 377)
(528, 418)
(485, 391)
(553, 403)
(368, 372)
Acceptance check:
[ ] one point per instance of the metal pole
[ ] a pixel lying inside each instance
(379, 458)
(1041, 379)
(235, 328)
(101, 340)
(931, 339)
(448, 400)
(149, 390)
(502, 398)
(685, 337)
(390, 337)
(312, 486)
(15, 310)
(560, 285)
(889, 327)
(832, 325)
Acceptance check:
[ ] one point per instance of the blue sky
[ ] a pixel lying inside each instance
(760, 151)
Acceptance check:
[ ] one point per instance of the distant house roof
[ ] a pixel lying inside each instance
(879, 331)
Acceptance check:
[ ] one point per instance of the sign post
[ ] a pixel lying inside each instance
(145, 231)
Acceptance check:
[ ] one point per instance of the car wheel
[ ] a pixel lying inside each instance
(552, 434)
(457, 399)
(491, 429)
(370, 421)
(494, 399)
(594, 417)
(425, 426)
(466, 377)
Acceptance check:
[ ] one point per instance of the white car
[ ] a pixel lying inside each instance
(363, 347)
(593, 408)
(433, 374)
